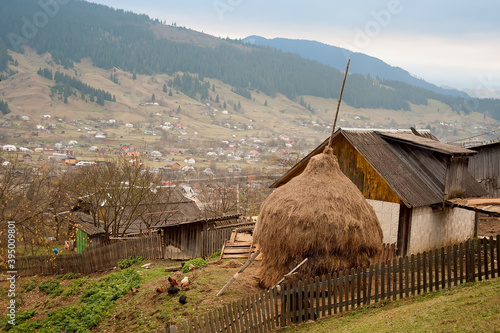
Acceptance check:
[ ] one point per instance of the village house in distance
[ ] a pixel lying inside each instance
(407, 176)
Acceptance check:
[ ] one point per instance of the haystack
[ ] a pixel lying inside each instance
(320, 215)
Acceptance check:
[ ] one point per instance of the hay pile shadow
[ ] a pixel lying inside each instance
(320, 215)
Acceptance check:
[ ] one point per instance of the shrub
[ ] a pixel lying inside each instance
(75, 286)
(28, 286)
(215, 255)
(94, 305)
(197, 263)
(51, 287)
(69, 276)
(21, 316)
(126, 263)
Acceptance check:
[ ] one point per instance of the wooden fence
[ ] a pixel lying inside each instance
(327, 295)
(96, 259)
(214, 239)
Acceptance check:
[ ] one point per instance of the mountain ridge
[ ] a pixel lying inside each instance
(336, 57)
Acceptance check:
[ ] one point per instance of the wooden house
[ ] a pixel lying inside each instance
(485, 167)
(27, 158)
(69, 161)
(407, 177)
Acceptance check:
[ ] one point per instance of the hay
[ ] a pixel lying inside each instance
(321, 215)
(232, 264)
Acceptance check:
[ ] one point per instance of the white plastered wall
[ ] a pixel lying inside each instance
(435, 228)
(388, 216)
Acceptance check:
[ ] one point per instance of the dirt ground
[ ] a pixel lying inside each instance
(488, 226)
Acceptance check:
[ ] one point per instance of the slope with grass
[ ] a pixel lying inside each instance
(467, 308)
(121, 299)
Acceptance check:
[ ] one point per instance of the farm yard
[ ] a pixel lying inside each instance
(134, 300)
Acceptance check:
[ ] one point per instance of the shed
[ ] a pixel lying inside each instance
(485, 167)
(406, 176)
(185, 240)
(86, 234)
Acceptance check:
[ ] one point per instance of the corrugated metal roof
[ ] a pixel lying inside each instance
(407, 162)
(427, 143)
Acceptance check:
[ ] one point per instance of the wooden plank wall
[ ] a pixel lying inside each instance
(96, 259)
(324, 296)
(183, 242)
(484, 166)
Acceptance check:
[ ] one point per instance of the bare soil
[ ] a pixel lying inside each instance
(488, 226)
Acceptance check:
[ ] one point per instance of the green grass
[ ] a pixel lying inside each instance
(467, 308)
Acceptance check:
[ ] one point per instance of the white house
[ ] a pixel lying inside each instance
(9, 148)
(155, 153)
(190, 160)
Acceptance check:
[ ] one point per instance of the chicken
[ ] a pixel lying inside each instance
(172, 281)
(158, 290)
(172, 290)
(183, 299)
(191, 267)
(185, 283)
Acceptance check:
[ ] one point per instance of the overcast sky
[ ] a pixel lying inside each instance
(447, 42)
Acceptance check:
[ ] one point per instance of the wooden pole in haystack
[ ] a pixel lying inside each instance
(338, 105)
(249, 261)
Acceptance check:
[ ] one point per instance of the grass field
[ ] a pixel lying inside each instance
(467, 308)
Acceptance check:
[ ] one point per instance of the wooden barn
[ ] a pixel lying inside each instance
(407, 176)
(184, 240)
(485, 167)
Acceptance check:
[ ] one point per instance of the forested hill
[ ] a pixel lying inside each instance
(336, 57)
(135, 43)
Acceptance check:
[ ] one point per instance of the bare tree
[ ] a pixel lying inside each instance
(28, 196)
(219, 198)
(118, 193)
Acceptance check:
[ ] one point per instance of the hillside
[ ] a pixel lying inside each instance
(336, 57)
(136, 44)
(142, 72)
(262, 116)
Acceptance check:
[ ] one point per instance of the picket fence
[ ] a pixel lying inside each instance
(324, 296)
(95, 259)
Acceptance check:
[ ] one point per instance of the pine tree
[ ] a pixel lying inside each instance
(153, 98)
(265, 103)
(170, 93)
(217, 99)
(134, 77)
(165, 88)
(225, 105)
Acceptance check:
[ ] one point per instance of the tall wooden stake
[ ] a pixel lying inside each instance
(249, 261)
(338, 105)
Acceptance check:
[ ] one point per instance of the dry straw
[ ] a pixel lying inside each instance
(320, 215)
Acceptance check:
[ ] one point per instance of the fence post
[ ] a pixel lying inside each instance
(470, 261)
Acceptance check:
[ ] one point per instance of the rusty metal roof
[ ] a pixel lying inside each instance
(411, 164)
(426, 143)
